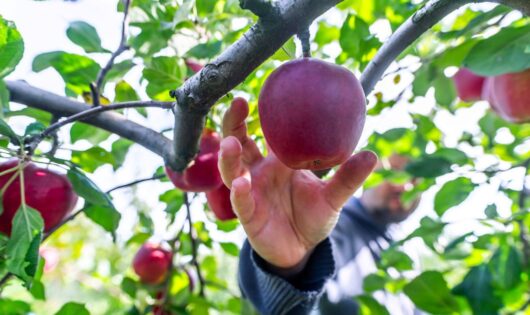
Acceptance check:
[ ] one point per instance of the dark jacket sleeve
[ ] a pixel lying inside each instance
(271, 294)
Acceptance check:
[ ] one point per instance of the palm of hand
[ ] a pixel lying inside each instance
(291, 212)
(284, 212)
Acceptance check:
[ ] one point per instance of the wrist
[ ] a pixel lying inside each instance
(288, 272)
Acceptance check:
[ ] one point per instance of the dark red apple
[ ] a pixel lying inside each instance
(152, 263)
(45, 190)
(203, 175)
(219, 201)
(193, 65)
(312, 113)
(468, 85)
(509, 95)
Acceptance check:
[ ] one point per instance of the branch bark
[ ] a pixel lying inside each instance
(426, 17)
(26, 94)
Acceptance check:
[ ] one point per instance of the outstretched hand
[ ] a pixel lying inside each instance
(286, 213)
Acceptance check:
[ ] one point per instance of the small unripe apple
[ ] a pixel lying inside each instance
(219, 201)
(468, 85)
(45, 190)
(203, 175)
(151, 263)
(509, 95)
(312, 113)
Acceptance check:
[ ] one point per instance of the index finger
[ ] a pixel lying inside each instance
(234, 125)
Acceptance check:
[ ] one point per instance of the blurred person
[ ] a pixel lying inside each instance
(306, 235)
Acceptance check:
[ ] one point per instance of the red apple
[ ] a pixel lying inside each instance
(509, 95)
(312, 113)
(45, 190)
(203, 175)
(468, 85)
(193, 65)
(152, 263)
(219, 202)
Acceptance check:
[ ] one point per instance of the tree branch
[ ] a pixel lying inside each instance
(121, 48)
(89, 113)
(523, 233)
(413, 28)
(26, 94)
(194, 245)
(138, 181)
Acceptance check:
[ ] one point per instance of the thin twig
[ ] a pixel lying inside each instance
(91, 112)
(522, 228)
(160, 176)
(194, 246)
(121, 48)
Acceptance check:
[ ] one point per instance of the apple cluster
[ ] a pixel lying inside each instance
(508, 94)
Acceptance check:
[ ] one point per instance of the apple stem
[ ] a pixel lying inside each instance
(304, 38)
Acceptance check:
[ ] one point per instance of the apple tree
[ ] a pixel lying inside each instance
(73, 240)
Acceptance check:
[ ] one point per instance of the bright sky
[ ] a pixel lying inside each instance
(43, 24)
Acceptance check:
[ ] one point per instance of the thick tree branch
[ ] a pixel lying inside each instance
(198, 94)
(26, 94)
(413, 28)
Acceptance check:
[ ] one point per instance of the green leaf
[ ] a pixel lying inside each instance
(491, 211)
(444, 90)
(429, 231)
(423, 79)
(34, 128)
(119, 70)
(77, 71)
(504, 52)
(93, 158)
(392, 257)
(356, 40)
(205, 7)
(370, 306)
(230, 248)
(105, 216)
(286, 52)
(125, 92)
(373, 282)
(452, 194)
(38, 291)
(452, 155)
(23, 245)
(163, 74)
(95, 136)
(430, 293)
(206, 50)
(5, 130)
(12, 307)
(227, 226)
(506, 268)
(43, 61)
(428, 167)
(326, 34)
(85, 36)
(174, 199)
(4, 98)
(129, 286)
(478, 290)
(11, 47)
(85, 188)
(72, 308)
(120, 148)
